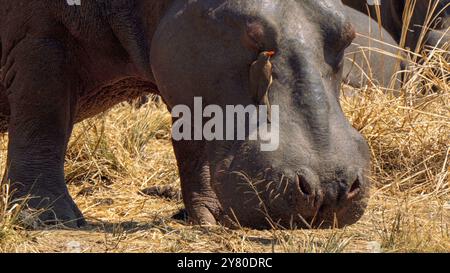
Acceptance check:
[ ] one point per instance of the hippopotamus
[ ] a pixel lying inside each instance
(61, 64)
(373, 57)
(432, 14)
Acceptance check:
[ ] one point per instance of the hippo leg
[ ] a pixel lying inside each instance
(4, 109)
(41, 88)
(199, 198)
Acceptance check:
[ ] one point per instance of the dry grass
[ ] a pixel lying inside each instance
(114, 156)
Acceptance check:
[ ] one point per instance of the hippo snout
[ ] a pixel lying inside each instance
(344, 201)
(322, 204)
(313, 195)
(308, 192)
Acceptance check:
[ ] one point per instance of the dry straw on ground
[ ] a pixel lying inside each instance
(114, 156)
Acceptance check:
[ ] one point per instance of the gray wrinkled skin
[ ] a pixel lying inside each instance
(62, 64)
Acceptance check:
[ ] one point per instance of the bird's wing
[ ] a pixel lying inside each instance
(260, 80)
(265, 80)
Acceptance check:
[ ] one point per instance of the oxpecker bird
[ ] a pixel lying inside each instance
(261, 80)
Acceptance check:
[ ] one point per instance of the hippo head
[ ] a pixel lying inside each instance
(317, 176)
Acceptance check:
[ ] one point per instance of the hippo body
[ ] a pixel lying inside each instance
(372, 58)
(61, 64)
(392, 12)
(111, 72)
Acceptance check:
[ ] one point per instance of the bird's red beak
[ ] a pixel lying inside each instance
(270, 53)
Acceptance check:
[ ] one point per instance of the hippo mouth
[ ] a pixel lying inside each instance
(266, 198)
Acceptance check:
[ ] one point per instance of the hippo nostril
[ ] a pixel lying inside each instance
(355, 188)
(304, 186)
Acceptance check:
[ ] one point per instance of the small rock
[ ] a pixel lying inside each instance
(104, 201)
(29, 219)
(73, 247)
(165, 192)
(374, 247)
(87, 191)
